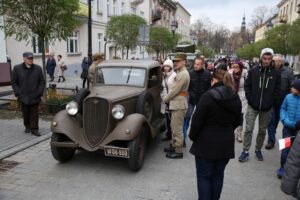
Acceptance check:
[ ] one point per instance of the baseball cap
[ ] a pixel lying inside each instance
(266, 51)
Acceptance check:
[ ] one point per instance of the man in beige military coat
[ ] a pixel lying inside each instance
(178, 104)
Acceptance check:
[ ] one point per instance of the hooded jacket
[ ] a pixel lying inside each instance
(291, 177)
(217, 115)
(263, 87)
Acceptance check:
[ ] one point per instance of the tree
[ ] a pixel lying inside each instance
(293, 37)
(277, 39)
(124, 30)
(162, 40)
(206, 52)
(49, 20)
(259, 16)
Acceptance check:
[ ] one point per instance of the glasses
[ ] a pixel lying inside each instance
(267, 58)
(30, 58)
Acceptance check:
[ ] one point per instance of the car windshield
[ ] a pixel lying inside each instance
(121, 76)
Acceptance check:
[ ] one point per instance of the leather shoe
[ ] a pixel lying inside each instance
(27, 130)
(174, 155)
(184, 145)
(269, 146)
(170, 149)
(35, 132)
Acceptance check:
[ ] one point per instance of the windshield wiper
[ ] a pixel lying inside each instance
(129, 73)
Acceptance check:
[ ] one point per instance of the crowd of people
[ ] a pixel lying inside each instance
(217, 100)
(208, 104)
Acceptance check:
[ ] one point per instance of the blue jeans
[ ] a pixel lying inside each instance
(272, 126)
(286, 132)
(210, 177)
(187, 120)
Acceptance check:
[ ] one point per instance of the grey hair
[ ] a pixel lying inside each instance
(280, 57)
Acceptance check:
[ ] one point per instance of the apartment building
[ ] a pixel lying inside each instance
(183, 17)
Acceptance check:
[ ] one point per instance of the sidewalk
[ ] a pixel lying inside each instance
(13, 138)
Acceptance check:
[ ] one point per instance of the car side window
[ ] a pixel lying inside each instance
(154, 77)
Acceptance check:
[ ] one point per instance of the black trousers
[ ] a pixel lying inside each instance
(31, 116)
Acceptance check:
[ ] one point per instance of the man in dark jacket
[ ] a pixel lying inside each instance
(287, 78)
(200, 80)
(28, 84)
(291, 176)
(262, 89)
(51, 64)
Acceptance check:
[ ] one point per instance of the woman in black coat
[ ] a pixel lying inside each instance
(216, 117)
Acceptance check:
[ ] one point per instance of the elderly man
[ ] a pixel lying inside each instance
(287, 78)
(178, 104)
(28, 84)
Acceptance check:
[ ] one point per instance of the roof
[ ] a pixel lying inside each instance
(179, 4)
(148, 64)
(281, 3)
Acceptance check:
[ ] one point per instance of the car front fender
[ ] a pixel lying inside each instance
(128, 129)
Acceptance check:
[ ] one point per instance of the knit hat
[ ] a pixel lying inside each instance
(169, 63)
(296, 84)
(266, 51)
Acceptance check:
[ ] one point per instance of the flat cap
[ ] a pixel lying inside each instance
(27, 54)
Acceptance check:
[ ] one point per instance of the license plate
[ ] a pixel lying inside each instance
(116, 152)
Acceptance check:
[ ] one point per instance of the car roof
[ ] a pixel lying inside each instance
(147, 64)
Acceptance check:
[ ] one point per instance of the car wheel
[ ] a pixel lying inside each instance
(145, 106)
(80, 96)
(59, 153)
(137, 150)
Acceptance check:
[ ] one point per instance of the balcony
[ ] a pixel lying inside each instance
(283, 19)
(136, 2)
(298, 11)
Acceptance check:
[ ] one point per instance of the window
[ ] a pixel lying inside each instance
(99, 6)
(123, 8)
(115, 7)
(108, 13)
(37, 45)
(99, 41)
(291, 9)
(133, 10)
(72, 43)
(142, 14)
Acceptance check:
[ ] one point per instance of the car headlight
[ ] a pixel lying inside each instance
(118, 112)
(72, 108)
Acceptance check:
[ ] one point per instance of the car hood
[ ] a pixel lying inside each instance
(115, 93)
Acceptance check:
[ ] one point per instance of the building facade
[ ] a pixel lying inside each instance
(183, 17)
(288, 11)
(260, 31)
(2, 43)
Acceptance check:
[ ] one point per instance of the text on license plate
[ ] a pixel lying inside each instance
(116, 152)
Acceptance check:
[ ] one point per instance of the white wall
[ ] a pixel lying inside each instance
(2, 43)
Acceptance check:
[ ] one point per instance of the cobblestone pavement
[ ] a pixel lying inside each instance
(93, 176)
(12, 132)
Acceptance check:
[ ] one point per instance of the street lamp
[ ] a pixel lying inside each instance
(270, 25)
(194, 37)
(174, 26)
(90, 54)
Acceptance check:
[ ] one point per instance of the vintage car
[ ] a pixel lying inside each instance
(119, 116)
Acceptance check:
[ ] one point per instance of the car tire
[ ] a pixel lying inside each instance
(80, 96)
(59, 153)
(137, 150)
(145, 106)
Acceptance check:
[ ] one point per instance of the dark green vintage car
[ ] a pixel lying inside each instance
(119, 116)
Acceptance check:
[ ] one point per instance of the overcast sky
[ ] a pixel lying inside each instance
(226, 12)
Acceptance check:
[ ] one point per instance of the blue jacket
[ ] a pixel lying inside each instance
(290, 111)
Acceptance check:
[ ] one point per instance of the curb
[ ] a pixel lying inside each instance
(23, 146)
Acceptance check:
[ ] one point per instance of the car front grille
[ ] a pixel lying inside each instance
(95, 119)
